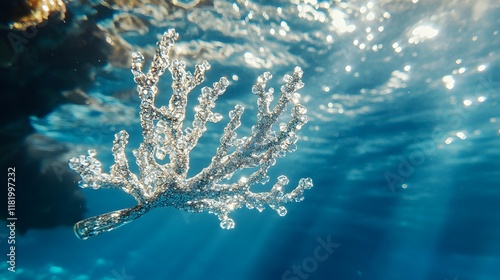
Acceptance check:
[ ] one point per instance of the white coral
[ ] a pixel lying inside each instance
(161, 185)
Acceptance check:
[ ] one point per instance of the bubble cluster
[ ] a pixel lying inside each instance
(164, 135)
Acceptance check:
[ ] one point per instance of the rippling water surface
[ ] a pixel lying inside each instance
(403, 145)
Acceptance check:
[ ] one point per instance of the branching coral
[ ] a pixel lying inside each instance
(161, 185)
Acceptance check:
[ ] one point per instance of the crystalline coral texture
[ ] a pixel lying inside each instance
(161, 185)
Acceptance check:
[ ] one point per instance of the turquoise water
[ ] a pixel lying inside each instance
(403, 146)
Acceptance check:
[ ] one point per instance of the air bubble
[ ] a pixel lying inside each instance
(227, 223)
(281, 211)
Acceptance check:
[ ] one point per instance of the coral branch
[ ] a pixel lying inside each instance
(162, 185)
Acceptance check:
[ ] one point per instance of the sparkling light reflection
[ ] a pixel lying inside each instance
(422, 33)
(449, 81)
(461, 135)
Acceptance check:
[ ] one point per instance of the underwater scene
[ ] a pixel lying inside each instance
(250, 139)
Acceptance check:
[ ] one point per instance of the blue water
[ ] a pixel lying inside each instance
(403, 146)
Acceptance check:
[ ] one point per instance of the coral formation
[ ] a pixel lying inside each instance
(161, 185)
